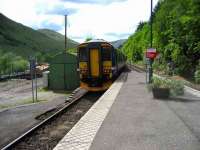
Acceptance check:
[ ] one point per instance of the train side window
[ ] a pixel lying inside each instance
(106, 53)
(83, 54)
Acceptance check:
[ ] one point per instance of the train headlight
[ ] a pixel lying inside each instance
(107, 70)
(83, 71)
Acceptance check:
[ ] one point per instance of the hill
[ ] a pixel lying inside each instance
(19, 42)
(58, 37)
(24, 41)
(118, 43)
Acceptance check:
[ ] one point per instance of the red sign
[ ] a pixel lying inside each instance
(151, 53)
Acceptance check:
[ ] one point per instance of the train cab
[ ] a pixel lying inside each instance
(95, 65)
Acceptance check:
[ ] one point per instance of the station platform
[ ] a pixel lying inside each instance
(127, 117)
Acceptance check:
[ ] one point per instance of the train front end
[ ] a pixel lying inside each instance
(95, 65)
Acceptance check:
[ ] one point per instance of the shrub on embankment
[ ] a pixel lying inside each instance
(176, 36)
(10, 63)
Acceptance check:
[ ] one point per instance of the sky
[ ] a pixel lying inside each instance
(100, 19)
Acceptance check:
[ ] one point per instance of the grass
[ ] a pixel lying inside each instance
(24, 102)
(55, 91)
(43, 90)
(30, 101)
(4, 106)
(140, 63)
(63, 92)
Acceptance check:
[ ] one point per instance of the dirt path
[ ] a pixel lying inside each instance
(18, 91)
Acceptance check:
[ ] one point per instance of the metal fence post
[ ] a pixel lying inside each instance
(32, 68)
(35, 79)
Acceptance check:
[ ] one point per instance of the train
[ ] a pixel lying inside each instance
(99, 63)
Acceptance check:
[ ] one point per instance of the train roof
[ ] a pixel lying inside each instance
(97, 41)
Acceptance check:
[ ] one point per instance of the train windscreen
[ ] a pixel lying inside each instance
(106, 53)
(83, 55)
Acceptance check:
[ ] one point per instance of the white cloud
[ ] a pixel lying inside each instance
(97, 20)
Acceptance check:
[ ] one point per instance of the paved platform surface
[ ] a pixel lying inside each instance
(127, 117)
(82, 134)
(136, 121)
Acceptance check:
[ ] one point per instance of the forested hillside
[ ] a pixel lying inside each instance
(59, 37)
(176, 35)
(118, 43)
(19, 42)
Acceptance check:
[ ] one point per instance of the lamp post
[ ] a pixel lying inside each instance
(150, 57)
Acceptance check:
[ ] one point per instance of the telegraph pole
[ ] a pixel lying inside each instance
(65, 51)
(65, 33)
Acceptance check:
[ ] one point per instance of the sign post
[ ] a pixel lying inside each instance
(150, 55)
(147, 69)
(35, 79)
(32, 68)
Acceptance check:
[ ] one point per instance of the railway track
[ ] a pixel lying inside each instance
(19, 75)
(136, 68)
(50, 131)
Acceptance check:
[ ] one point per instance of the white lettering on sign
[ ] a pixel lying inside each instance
(151, 50)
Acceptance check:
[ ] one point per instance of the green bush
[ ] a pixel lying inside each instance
(159, 83)
(20, 65)
(176, 87)
(10, 63)
(197, 76)
(160, 67)
(176, 28)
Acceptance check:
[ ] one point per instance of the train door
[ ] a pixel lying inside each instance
(94, 62)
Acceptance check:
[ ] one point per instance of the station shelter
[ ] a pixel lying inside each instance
(63, 73)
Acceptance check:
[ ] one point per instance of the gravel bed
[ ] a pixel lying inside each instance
(47, 137)
(16, 91)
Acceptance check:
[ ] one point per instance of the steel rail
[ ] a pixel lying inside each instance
(29, 132)
(136, 68)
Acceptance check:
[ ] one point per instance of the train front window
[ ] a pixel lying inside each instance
(83, 54)
(106, 53)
